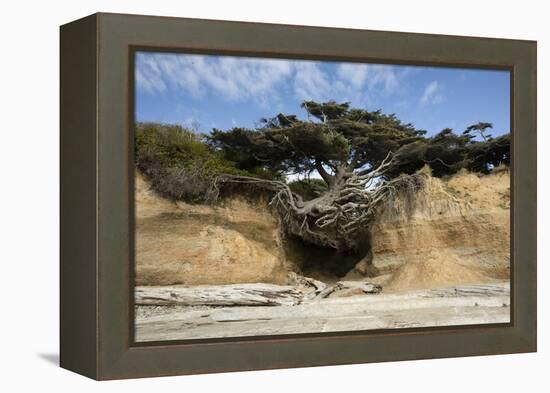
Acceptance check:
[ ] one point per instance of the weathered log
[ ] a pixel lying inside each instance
(307, 282)
(328, 291)
(365, 287)
(220, 295)
(472, 290)
(256, 294)
(314, 286)
(422, 308)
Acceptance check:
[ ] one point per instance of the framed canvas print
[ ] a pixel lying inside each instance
(240, 196)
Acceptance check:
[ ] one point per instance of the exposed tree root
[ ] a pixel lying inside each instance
(342, 218)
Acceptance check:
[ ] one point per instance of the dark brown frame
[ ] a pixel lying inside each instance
(97, 196)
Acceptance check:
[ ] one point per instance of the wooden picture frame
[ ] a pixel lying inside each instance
(97, 196)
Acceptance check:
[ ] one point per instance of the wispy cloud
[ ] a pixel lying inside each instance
(149, 76)
(263, 80)
(353, 74)
(310, 82)
(372, 76)
(232, 78)
(433, 94)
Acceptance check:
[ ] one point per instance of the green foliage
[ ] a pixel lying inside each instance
(327, 110)
(333, 135)
(479, 128)
(168, 145)
(446, 153)
(308, 188)
(237, 146)
(483, 156)
(281, 148)
(178, 163)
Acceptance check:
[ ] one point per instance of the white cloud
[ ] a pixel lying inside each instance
(433, 94)
(310, 82)
(372, 76)
(149, 76)
(383, 75)
(263, 80)
(232, 78)
(353, 74)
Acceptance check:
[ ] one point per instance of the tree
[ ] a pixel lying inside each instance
(350, 149)
(489, 152)
(479, 128)
(365, 162)
(483, 156)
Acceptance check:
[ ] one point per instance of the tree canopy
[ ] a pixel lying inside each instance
(336, 137)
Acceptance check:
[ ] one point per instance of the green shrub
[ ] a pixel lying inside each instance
(178, 163)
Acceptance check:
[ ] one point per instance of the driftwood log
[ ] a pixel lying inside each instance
(363, 287)
(255, 294)
(464, 305)
(220, 295)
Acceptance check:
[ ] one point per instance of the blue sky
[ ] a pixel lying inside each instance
(205, 92)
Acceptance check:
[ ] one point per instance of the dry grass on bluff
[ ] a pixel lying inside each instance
(459, 233)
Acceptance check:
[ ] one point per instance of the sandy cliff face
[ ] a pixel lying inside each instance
(458, 233)
(179, 243)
